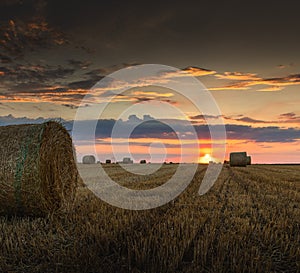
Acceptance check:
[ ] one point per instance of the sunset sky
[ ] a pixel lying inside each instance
(246, 53)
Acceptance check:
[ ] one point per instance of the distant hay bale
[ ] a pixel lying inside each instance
(238, 159)
(127, 160)
(38, 173)
(143, 161)
(88, 159)
(108, 161)
(248, 160)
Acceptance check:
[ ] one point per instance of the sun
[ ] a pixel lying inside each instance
(205, 159)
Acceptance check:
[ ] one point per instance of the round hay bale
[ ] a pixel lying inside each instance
(88, 159)
(38, 173)
(143, 161)
(248, 160)
(238, 159)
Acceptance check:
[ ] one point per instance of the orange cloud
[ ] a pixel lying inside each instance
(272, 88)
(238, 76)
(198, 72)
(188, 71)
(236, 86)
(152, 94)
(245, 81)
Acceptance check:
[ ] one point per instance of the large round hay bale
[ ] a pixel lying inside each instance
(248, 160)
(238, 159)
(38, 173)
(88, 159)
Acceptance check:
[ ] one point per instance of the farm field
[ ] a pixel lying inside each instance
(248, 222)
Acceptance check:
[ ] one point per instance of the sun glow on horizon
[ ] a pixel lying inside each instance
(205, 159)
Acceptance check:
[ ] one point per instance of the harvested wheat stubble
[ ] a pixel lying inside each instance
(38, 173)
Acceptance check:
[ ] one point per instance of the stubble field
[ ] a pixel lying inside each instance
(248, 222)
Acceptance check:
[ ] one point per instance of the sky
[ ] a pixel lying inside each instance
(245, 53)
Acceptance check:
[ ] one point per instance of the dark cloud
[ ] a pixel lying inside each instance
(283, 118)
(263, 134)
(4, 59)
(33, 78)
(251, 120)
(165, 129)
(161, 130)
(290, 115)
(11, 120)
(79, 64)
(84, 84)
(18, 37)
(203, 117)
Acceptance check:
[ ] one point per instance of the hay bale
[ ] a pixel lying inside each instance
(38, 173)
(248, 160)
(143, 161)
(238, 159)
(88, 159)
(127, 160)
(108, 161)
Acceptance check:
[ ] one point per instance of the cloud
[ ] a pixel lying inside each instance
(4, 59)
(203, 117)
(186, 72)
(290, 115)
(251, 120)
(11, 120)
(148, 127)
(198, 72)
(244, 81)
(32, 73)
(282, 119)
(77, 64)
(158, 129)
(17, 36)
(281, 66)
(238, 76)
(263, 134)
(271, 88)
